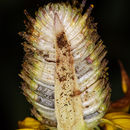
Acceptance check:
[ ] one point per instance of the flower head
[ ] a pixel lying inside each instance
(116, 117)
(65, 71)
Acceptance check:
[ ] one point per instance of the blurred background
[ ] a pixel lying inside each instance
(113, 17)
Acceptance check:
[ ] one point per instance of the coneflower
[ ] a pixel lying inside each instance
(64, 69)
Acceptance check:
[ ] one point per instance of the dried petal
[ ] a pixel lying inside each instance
(125, 80)
(122, 104)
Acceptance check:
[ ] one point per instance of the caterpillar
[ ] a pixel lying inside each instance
(65, 70)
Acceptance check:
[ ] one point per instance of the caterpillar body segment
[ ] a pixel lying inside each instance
(64, 69)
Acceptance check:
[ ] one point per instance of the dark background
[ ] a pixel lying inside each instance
(113, 25)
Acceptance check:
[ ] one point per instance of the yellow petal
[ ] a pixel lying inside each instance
(122, 123)
(27, 129)
(116, 120)
(29, 123)
(117, 115)
(109, 127)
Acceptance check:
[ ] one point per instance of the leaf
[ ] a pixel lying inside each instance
(116, 120)
(122, 104)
